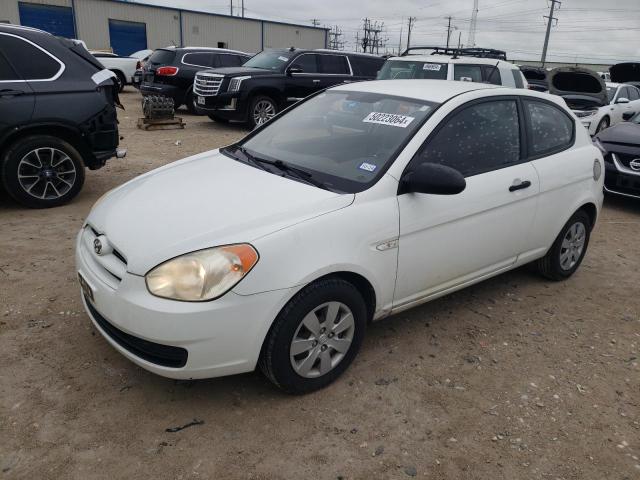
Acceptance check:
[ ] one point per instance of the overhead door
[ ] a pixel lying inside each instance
(50, 18)
(127, 37)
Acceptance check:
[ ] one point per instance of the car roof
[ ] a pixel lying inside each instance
(458, 59)
(204, 49)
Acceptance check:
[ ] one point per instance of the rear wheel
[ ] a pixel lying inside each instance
(566, 254)
(315, 337)
(42, 171)
(122, 81)
(604, 123)
(261, 110)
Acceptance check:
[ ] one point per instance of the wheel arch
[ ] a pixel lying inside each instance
(271, 92)
(591, 210)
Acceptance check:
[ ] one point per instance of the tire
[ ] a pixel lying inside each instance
(217, 119)
(552, 265)
(315, 301)
(122, 81)
(261, 102)
(188, 100)
(604, 123)
(41, 171)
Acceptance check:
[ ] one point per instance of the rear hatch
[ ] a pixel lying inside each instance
(625, 72)
(581, 88)
(160, 58)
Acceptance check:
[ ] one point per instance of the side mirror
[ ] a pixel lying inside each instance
(292, 70)
(622, 100)
(626, 116)
(432, 178)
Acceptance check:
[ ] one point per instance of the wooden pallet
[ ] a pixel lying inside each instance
(161, 124)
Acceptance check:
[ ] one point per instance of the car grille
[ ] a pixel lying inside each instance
(207, 84)
(111, 267)
(163, 355)
(625, 159)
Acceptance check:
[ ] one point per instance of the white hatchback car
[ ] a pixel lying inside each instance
(357, 203)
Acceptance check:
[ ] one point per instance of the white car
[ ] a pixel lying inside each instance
(123, 67)
(357, 203)
(453, 67)
(621, 99)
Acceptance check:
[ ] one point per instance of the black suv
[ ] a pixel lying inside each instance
(170, 71)
(274, 79)
(57, 116)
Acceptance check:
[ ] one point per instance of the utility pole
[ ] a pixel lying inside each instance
(231, 5)
(400, 40)
(459, 40)
(242, 8)
(412, 20)
(448, 30)
(550, 20)
(315, 22)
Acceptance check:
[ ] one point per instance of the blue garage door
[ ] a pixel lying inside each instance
(127, 37)
(50, 18)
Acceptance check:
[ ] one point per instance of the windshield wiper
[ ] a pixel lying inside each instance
(299, 173)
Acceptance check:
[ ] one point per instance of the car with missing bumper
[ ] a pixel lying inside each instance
(359, 202)
(57, 116)
(275, 79)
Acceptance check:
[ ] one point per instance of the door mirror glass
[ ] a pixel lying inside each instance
(294, 69)
(622, 100)
(626, 116)
(434, 179)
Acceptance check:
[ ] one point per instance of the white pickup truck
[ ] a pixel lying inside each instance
(123, 67)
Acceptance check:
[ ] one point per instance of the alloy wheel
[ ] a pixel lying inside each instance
(572, 245)
(46, 173)
(263, 111)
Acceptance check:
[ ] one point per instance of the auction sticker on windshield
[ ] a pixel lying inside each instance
(283, 59)
(390, 119)
(432, 66)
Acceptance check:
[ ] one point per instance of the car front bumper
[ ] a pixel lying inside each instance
(230, 106)
(182, 340)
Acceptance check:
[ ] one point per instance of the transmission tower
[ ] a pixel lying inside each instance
(471, 40)
(372, 39)
(335, 38)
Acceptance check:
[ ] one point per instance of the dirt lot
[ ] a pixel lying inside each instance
(514, 378)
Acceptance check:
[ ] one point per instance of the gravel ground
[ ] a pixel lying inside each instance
(513, 378)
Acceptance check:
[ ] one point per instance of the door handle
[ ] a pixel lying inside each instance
(10, 93)
(520, 186)
(316, 81)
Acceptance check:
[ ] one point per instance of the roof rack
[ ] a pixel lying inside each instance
(461, 52)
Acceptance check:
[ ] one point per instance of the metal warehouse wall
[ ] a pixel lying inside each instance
(92, 19)
(278, 36)
(207, 30)
(9, 8)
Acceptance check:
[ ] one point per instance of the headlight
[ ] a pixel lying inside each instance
(202, 275)
(234, 84)
(587, 113)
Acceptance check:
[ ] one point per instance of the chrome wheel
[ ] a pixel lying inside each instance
(263, 111)
(322, 339)
(572, 246)
(46, 173)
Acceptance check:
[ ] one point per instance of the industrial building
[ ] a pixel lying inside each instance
(126, 27)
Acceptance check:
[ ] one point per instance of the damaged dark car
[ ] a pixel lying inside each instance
(536, 78)
(57, 116)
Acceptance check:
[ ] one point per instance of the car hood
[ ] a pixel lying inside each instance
(625, 132)
(241, 71)
(203, 201)
(580, 87)
(625, 72)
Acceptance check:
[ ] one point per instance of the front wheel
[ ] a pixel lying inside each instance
(122, 81)
(261, 110)
(315, 337)
(566, 254)
(42, 171)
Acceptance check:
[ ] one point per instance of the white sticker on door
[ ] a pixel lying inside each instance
(390, 119)
(432, 66)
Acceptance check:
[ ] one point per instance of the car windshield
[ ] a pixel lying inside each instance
(344, 140)
(398, 69)
(611, 92)
(268, 60)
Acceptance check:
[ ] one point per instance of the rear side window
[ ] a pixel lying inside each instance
(366, 67)
(230, 60)
(201, 59)
(517, 77)
(334, 64)
(307, 62)
(491, 74)
(7, 73)
(467, 73)
(403, 69)
(551, 130)
(480, 138)
(162, 57)
(29, 61)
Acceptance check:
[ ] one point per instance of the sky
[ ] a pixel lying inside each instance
(586, 31)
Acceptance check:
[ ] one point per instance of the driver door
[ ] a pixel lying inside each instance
(449, 241)
(301, 85)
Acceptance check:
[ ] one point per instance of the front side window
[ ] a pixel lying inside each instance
(269, 60)
(402, 69)
(29, 61)
(479, 138)
(344, 139)
(334, 64)
(467, 73)
(308, 63)
(551, 128)
(611, 93)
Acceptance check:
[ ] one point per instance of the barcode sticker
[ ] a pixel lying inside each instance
(390, 119)
(432, 66)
